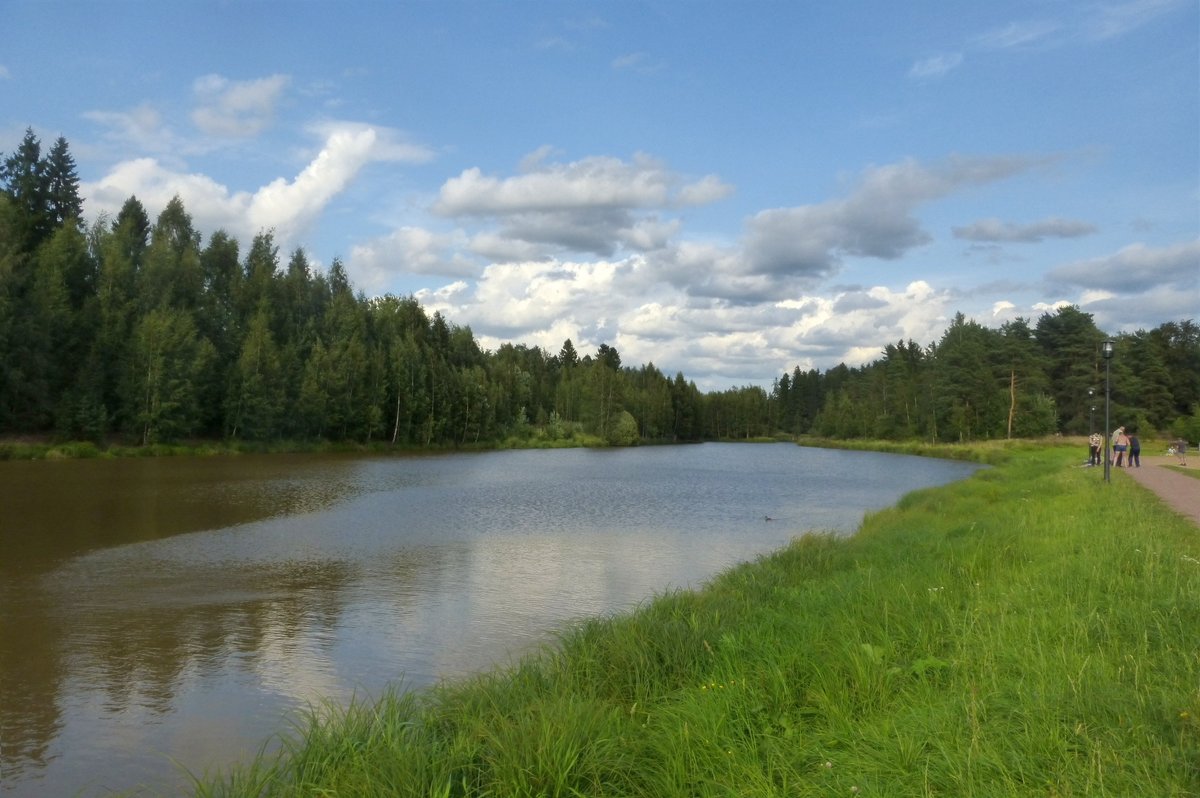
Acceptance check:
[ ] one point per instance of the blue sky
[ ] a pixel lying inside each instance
(727, 189)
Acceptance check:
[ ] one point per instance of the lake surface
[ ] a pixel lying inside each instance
(168, 612)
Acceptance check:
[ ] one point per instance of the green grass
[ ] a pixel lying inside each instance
(1031, 631)
(979, 451)
(1178, 469)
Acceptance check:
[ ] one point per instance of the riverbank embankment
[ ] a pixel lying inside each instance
(1028, 631)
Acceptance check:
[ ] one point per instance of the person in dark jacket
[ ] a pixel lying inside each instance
(1135, 451)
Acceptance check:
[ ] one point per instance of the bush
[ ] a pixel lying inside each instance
(1188, 427)
(624, 430)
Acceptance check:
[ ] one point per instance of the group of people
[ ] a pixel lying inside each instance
(1126, 449)
(1124, 444)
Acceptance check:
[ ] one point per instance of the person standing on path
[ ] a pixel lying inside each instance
(1119, 443)
(1181, 450)
(1135, 451)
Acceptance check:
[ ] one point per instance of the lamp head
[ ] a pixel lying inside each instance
(1106, 349)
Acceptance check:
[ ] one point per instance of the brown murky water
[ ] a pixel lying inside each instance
(171, 613)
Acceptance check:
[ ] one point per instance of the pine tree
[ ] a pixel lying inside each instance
(1070, 344)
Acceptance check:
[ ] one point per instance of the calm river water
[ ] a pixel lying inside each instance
(174, 612)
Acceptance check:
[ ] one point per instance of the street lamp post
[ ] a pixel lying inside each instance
(1091, 411)
(1106, 349)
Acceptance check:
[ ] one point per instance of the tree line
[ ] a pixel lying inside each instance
(139, 330)
(1016, 381)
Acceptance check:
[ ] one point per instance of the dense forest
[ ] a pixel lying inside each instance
(139, 331)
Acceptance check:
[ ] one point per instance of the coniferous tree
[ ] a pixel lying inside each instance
(1070, 343)
(603, 391)
(23, 178)
(1148, 386)
(64, 205)
(970, 395)
(686, 421)
(899, 412)
(567, 356)
(1179, 343)
(1032, 409)
(133, 220)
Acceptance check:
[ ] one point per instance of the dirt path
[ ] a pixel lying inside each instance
(1179, 491)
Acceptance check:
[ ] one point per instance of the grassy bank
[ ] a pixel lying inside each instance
(994, 451)
(1030, 631)
(1189, 472)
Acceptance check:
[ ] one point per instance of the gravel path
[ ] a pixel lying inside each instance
(1179, 491)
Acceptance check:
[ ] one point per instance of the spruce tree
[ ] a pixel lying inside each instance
(23, 178)
(62, 186)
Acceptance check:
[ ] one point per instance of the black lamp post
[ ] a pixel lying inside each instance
(1091, 411)
(1106, 349)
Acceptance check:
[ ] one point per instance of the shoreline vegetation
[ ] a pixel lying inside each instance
(1027, 631)
(45, 448)
(37, 448)
(140, 330)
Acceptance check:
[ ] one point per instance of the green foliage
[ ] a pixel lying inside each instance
(981, 384)
(256, 397)
(91, 347)
(1188, 427)
(1036, 416)
(624, 431)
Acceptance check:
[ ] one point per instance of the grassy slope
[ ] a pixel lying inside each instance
(1030, 631)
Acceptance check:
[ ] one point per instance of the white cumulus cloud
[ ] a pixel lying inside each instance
(595, 205)
(287, 206)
